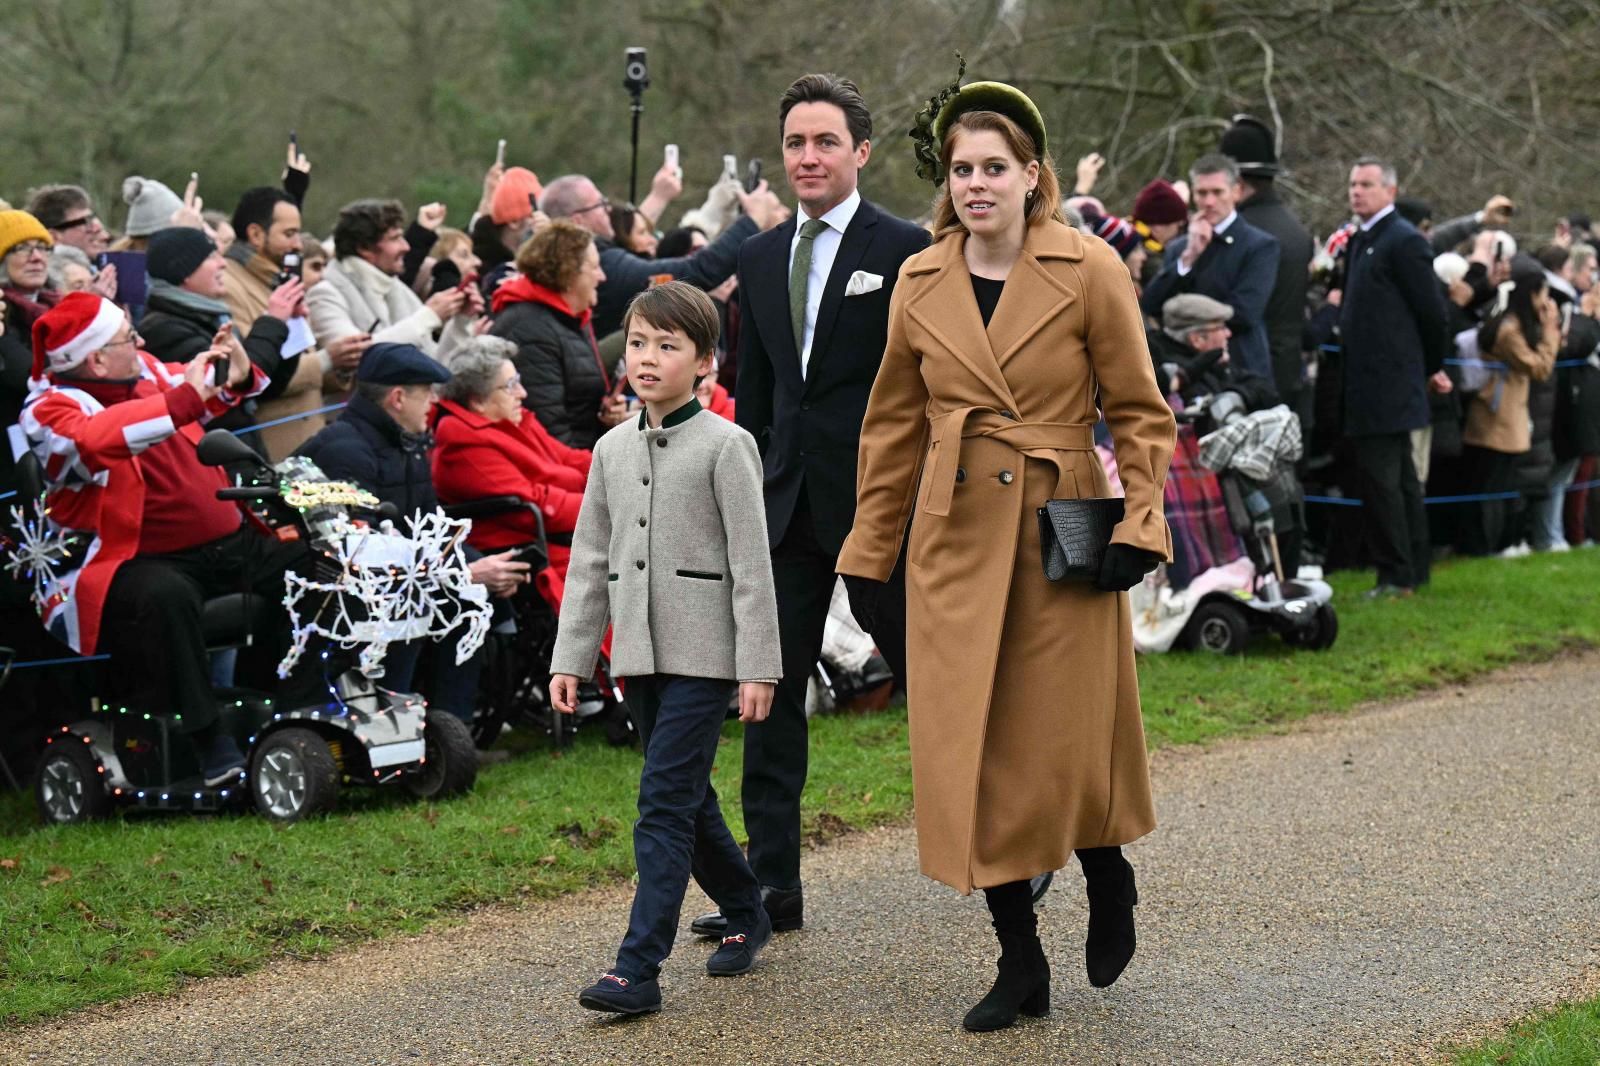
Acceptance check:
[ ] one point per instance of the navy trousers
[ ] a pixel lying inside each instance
(680, 831)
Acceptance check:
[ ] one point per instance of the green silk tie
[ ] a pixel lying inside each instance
(799, 274)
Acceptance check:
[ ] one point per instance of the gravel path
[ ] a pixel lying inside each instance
(1357, 890)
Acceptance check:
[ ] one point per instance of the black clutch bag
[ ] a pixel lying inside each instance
(1073, 535)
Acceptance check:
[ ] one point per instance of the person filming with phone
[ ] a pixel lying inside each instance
(361, 292)
(115, 431)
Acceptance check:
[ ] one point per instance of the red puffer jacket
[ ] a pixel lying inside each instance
(474, 457)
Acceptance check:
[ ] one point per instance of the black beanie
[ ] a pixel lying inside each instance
(1249, 143)
(176, 252)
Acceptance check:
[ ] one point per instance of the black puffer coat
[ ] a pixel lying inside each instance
(557, 359)
(367, 447)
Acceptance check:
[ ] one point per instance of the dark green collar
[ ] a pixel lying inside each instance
(676, 418)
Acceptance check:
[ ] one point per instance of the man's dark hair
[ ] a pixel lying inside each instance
(829, 89)
(678, 306)
(1552, 257)
(363, 223)
(677, 243)
(50, 203)
(257, 206)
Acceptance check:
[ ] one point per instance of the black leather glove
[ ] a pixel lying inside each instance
(863, 593)
(1123, 567)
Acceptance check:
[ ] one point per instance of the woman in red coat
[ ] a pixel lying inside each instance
(487, 444)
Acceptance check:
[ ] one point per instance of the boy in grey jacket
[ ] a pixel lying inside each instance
(671, 545)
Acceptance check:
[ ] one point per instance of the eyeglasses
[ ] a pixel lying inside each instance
(603, 202)
(27, 249)
(132, 338)
(513, 386)
(74, 223)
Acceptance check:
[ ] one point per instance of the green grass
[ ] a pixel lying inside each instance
(95, 913)
(1568, 1036)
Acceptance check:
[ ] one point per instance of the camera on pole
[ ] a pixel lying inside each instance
(636, 79)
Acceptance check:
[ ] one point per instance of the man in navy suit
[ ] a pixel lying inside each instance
(1395, 338)
(1223, 257)
(814, 313)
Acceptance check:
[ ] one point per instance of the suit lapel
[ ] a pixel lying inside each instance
(769, 297)
(853, 245)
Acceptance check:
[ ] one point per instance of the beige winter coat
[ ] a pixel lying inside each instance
(1026, 737)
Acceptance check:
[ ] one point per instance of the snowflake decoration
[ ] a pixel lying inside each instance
(390, 588)
(38, 548)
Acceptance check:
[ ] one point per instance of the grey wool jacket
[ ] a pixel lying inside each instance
(671, 546)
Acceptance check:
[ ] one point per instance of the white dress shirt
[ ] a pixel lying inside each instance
(1377, 218)
(824, 247)
(1216, 231)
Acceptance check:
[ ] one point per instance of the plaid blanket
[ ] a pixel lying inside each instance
(1202, 537)
(1254, 444)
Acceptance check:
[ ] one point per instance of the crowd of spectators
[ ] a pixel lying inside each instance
(432, 363)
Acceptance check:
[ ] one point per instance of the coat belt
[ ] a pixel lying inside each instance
(1041, 440)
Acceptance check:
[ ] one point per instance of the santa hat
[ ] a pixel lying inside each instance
(64, 336)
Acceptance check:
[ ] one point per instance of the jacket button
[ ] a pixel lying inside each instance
(640, 564)
(961, 474)
(641, 521)
(661, 442)
(805, 407)
(1006, 477)
(647, 479)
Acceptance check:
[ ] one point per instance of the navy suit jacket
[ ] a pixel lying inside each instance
(1393, 329)
(1239, 268)
(809, 429)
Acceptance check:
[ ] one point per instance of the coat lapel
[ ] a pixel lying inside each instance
(1032, 296)
(853, 245)
(948, 310)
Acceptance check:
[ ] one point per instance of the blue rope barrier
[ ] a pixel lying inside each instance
(1476, 497)
(287, 418)
(69, 660)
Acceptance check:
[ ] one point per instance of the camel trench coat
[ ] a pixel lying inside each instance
(1026, 736)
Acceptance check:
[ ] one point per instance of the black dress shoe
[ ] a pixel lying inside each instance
(615, 994)
(738, 951)
(785, 906)
(1111, 941)
(1022, 987)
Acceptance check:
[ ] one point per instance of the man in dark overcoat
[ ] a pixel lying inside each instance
(1393, 330)
(1223, 257)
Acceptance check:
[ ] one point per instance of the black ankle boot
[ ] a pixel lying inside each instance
(1023, 986)
(1112, 895)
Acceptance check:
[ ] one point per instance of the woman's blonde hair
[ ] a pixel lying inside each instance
(1046, 200)
(448, 241)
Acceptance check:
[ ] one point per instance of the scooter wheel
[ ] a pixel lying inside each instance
(1326, 630)
(70, 786)
(293, 775)
(451, 761)
(1219, 627)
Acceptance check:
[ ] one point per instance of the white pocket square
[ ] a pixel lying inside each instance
(863, 282)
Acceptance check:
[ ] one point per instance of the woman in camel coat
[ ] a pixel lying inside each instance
(1006, 339)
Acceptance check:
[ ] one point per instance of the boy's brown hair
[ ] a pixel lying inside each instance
(680, 307)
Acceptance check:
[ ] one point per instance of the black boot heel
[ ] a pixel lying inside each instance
(1038, 1004)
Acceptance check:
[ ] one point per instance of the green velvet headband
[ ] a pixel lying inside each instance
(944, 107)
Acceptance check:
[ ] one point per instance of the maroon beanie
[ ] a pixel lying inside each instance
(1159, 203)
